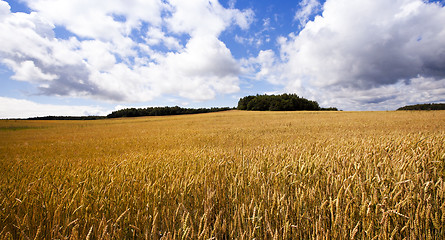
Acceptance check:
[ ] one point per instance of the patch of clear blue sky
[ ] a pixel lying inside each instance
(18, 6)
(442, 2)
(62, 33)
(272, 20)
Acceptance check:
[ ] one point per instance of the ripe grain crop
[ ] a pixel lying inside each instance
(227, 175)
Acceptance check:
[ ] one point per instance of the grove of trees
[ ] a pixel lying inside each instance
(427, 106)
(283, 102)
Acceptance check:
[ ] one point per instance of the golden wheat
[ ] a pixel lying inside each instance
(228, 175)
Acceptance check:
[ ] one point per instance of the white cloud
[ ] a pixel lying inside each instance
(98, 54)
(202, 69)
(103, 60)
(384, 97)
(155, 36)
(27, 71)
(248, 41)
(361, 53)
(265, 67)
(307, 8)
(20, 108)
(4, 9)
(198, 17)
(96, 19)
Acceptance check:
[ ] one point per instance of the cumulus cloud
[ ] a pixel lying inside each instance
(157, 37)
(363, 53)
(197, 17)
(27, 71)
(265, 66)
(101, 19)
(20, 108)
(204, 68)
(176, 50)
(4, 9)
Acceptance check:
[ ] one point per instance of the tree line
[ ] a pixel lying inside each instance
(283, 102)
(427, 106)
(139, 112)
(162, 111)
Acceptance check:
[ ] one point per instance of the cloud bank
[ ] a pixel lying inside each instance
(21, 108)
(176, 49)
(363, 55)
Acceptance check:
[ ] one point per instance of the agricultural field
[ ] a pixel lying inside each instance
(226, 175)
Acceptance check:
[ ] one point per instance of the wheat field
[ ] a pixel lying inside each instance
(227, 175)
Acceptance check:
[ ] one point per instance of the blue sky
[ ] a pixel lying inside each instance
(84, 57)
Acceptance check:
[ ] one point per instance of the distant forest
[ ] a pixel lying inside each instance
(427, 106)
(283, 102)
(161, 111)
